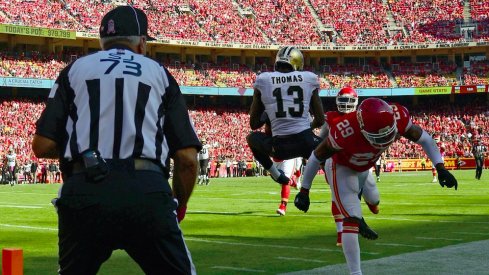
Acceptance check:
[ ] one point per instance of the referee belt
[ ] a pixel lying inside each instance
(78, 167)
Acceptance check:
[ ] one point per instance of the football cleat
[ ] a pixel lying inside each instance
(374, 208)
(366, 232)
(338, 240)
(281, 209)
(282, 179)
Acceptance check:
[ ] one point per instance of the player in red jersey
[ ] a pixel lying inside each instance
(346, 102)
(353, 145)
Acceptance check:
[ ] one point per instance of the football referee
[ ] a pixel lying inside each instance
(114, 119)
(478, 150)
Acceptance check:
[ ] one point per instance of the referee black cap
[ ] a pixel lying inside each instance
(125, 21)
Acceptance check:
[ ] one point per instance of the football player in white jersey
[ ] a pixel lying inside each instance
(11, 157)
(288, 96)
(204, 161)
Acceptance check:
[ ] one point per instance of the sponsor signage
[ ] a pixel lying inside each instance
(392, 165)
(433, 91)
(37, 31)
(469, 89)
(319, 47)
(26, 82)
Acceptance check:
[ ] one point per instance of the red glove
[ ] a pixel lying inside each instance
(181, 211)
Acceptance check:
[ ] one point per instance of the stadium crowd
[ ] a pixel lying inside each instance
(269, 21)
(225, 129)
(33, 64)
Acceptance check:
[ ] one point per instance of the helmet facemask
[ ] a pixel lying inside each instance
(347, 100)
(346, 104)
(383, 137)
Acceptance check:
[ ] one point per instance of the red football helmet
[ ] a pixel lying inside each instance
(347, 100)
(377, 122)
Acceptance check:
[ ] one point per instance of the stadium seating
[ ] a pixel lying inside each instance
(270, 21)
(47, 66)
(356, 21)
(31, 65)
(478, 73)
(480, 15)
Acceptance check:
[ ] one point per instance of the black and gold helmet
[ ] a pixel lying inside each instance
(292, 56)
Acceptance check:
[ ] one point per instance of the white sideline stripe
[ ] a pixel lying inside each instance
(238, 269)
(266, 245)
(472, 233)
(28, 227)
(444, 239)
(19, 206)
(301, 259)
(398, 244)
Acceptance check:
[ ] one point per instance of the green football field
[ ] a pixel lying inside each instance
(231, 226)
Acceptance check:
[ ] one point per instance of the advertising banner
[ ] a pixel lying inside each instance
(392, 165)
(433, 91)
(37, 31)
(469, 89)
(26, 82)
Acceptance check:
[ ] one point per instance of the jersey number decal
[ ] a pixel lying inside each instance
(361, 159)
(345, 129)
(298, 101)
(133, 68)
(397, 115)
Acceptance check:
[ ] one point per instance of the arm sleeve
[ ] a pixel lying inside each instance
(429, 146)
(323, 133)
(178, 128)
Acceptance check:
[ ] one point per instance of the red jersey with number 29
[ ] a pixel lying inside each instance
(355, 151)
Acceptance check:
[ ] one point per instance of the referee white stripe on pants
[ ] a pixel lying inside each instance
(346, 184)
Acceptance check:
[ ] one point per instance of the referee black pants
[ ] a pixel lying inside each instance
(479, 163)
(128, 210)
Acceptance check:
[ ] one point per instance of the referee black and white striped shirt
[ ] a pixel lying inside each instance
(478, 150)
(119, 102)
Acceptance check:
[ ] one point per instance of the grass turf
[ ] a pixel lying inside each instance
(231, 226)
